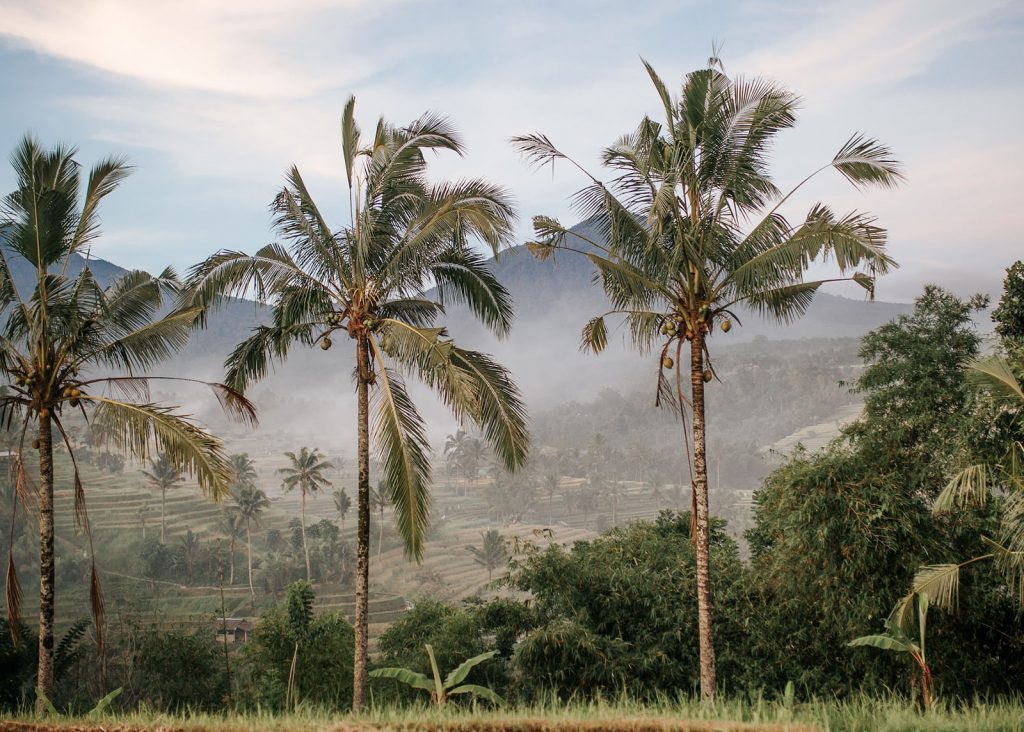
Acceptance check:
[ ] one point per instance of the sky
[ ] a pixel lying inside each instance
(212, 102)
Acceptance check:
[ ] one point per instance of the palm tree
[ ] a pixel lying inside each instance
(552, 482)
(379, 502)
(474, 453)
(232, 526)
(369, 280)
(189, 553)
(492, 553)
(251, 502)
(454, 449)
(163, 476)
(305, 473)
(342, 503)
(243, 472)
(691, 228)
(142, 512)
(63, 330)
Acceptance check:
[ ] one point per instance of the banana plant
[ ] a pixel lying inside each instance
(897, 638)
(452, 685)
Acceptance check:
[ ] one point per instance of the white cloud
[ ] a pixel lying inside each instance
(856, 46)
(227, 47)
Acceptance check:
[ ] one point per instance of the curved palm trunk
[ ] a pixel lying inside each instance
(248, 541)
(362, 529)
(305, 546)
(47, 576)
(231, 561)
(700, 496)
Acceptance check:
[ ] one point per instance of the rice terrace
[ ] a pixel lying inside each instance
(524, 367)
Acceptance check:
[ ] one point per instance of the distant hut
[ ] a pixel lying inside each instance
(234, 630)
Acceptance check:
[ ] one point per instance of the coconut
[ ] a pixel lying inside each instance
(325, 344)
(726, 325)
(708, 375)
(667, 362)
(35, 444)
(74, 401)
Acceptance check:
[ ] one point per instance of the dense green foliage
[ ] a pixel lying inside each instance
(323, 674)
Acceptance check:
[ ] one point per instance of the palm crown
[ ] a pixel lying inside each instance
(370, 279)
(61, 340)
(693, 219)
(305, 471)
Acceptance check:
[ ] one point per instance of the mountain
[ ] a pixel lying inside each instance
(553, 300)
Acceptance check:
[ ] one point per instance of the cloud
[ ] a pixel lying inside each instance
(864, 46)
(246, 49)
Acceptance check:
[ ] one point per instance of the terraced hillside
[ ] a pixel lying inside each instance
(118, 504)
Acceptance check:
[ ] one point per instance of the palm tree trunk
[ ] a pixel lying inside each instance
(305, 547)
(248, 541)
(362, 528)
(47, 576)
(231, 577)
(163, 503)
(700, 493)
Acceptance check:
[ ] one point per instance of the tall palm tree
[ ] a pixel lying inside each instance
(306, 472)
(163, 476)
(63, 330)
(492, 553)
(454, 449)
(243, 472)
(692, 228)
(251, 502)
(232, 526)
(142, 513)
(342, 504)
(552, 482)
(474, 452)
(379, 501)
(369, 280)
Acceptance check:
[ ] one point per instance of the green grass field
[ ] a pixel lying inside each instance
(861, 715)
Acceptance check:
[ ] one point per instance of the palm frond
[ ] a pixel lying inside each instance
(969, 487)
(940, 582)
(594, 338)
(402, 450)
(865, 161)
(995, 376)
(142, 429)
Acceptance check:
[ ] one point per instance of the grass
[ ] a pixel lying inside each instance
(864, 714)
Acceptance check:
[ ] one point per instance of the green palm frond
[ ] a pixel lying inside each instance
(995, 376)
(498, 409)
(595, 335)
(864, 161)
(969, 487)
(940, 582)
(402, 449)
(141, 429)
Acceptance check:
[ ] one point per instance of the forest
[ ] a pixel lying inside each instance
(810, 533)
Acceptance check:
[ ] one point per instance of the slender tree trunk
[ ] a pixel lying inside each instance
(231, 561)
(700, 492)
(163, 513)
(305, 547)
(47, 575)
(362, 528)
(248, 541)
